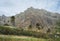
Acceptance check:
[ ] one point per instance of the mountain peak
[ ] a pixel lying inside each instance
(31, 8)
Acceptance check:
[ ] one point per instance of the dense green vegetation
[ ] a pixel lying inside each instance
(18, 31)
(57, 27)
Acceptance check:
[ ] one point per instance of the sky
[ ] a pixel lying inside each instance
(13, 7)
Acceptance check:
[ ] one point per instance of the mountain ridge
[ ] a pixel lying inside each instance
(32, 16)
(32, 13)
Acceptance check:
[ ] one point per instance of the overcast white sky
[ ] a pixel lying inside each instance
(12, 7)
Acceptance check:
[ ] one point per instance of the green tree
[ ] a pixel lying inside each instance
(48, 31)
(13, 20)
(30, 26)
(38, 26)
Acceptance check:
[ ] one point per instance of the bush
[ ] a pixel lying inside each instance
(18, 31)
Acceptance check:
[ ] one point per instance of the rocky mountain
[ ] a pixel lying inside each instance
(32, 16)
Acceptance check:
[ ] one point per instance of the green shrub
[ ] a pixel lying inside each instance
(18, 31)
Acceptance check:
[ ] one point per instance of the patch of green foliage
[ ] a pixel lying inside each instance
(57, 26)
(18, 31)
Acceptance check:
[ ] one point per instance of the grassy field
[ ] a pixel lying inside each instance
(19, 38)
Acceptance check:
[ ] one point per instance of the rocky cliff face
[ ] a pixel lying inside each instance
(2, 19)
(32, 16)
